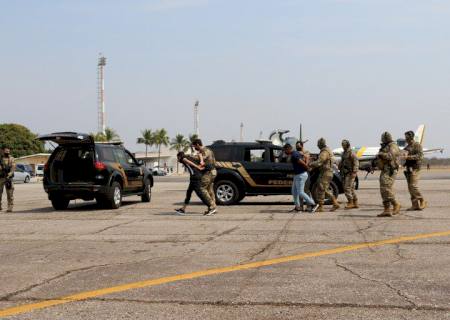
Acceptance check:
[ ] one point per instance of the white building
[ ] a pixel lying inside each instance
(168, 159)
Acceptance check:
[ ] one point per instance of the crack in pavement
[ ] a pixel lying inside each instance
(399, 254)
(10, 295)
(66, 273)
(30, 249)
(226, 232)
(371, 224)
(387, 284)
(114, 226)
(222, 303)
(268, 247)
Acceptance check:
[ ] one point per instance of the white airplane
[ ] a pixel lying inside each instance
(367, 154)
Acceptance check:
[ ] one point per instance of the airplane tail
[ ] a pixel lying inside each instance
(420, 134)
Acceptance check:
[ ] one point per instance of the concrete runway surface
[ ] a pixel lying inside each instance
(251, 261)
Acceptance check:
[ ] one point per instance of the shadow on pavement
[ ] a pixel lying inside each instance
(187, 214)
(86, 206)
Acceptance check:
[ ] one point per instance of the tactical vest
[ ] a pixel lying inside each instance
(210, 160)
(5, 167)
(391, 165)
(347, 163)
(329, 163)
(413, 164)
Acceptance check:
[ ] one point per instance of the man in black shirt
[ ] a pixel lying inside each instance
(301, 176)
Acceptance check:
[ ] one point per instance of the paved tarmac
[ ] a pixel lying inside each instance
(156, 261)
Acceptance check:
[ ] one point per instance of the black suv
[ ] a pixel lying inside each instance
(251, 169)
(80, 168)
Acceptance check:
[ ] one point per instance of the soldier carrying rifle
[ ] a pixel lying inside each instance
(7, 168)
(413, 156)
(388, 163)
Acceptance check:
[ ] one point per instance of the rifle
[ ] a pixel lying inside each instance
(373, 163)
(5, 170)
(370, 168)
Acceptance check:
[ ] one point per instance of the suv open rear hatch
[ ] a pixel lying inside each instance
(68, 138)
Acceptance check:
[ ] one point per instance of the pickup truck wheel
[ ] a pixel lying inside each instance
(333, 188)
(227, 193)
(147, 193)
(60, 203)
(113, 198)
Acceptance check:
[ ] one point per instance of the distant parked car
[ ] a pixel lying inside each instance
(159, 172)
(21, 176)
(40, 170)
(25, 168)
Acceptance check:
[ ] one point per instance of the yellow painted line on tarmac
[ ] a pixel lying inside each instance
(154, 282)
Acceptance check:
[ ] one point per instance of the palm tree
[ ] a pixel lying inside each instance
(98, 137)
(111, 134)
(161, 139)
(148, 138)
(179, 143)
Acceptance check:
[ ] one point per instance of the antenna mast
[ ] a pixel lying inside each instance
(196, 119)
(241, 139)
(101, 94)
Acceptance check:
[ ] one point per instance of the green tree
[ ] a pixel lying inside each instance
(148, 139)
(161, 139)
(20, 140)
(179, 143)
(109, 135)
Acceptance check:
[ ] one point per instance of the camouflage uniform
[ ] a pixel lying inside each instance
(348, 168)
(388, 162)
(7, 168)
(413, 163)
(324, 164)
(207, 182)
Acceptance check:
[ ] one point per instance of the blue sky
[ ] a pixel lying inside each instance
(344, 68)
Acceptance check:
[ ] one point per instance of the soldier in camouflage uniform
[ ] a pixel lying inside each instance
(388, 162)
(348, 168)
(7, 168)
(413, 156)
(208, 161)
(324, 164)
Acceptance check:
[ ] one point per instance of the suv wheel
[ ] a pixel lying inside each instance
(60, 203)
(27, 179)
(333, 188)
(227, 193)
(114, 196)
(147, 193)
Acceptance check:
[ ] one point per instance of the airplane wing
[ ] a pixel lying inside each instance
(435, 150)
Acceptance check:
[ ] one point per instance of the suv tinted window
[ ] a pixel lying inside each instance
(276, 155)
(224, 153)
(254, 155)
(123, 157)
(106, 154)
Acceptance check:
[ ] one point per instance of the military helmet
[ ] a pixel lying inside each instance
(409, 135)
(345, 144)
(386, 137)
(321, 143)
